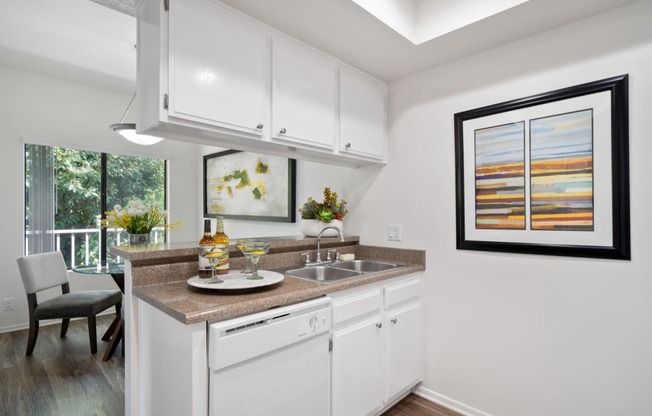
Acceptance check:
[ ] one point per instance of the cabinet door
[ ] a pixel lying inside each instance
(356, 368)
(403, 339)
(304, 107)
(362, 115)
(218, 67)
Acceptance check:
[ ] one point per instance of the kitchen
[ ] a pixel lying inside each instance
(505, 334)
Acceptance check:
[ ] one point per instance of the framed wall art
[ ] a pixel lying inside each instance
(546, 174)
(249, 186)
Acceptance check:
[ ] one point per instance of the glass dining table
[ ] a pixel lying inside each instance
(115, 333)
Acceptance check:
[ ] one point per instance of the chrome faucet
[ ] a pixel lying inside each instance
(318, 256)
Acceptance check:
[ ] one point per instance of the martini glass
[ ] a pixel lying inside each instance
(213, 254)
(240, 245)
(255, 249)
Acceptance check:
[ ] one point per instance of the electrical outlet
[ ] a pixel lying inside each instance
(393, 233)
(8, 304)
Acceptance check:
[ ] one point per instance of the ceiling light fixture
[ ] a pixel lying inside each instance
(128, 130)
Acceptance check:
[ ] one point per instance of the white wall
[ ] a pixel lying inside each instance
(65, 113)
(508, 334)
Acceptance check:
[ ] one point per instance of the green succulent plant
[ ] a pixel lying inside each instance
(331, 208)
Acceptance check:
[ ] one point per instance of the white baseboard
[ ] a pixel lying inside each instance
(12, 328)
(449, 403)
(25, 325)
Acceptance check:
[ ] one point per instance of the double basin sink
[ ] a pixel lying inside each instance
(335, 271)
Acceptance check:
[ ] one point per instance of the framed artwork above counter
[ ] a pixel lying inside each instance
(249, 186)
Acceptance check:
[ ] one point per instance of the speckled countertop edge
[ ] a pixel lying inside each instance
(160, 272)
(190, 305)
(175, 252)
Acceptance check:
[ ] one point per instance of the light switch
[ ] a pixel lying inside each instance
(393, 233)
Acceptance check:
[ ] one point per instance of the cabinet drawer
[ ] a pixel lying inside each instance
(402, 292)
(355, 306)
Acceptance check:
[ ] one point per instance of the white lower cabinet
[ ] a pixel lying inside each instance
(404, 352)
(376, 355)
(356, 368)
(377, 352)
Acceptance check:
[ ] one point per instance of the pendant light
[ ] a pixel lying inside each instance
(128, 130)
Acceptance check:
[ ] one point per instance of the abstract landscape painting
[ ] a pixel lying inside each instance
(561, 172)
(500, 177)
(250, 186)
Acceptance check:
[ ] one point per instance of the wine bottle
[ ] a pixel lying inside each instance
(206, 240)
(221, 241)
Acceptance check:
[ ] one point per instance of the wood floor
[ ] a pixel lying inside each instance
(416, 406)
(62, 378)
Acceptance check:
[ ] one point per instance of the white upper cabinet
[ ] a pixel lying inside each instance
(304, 95)
(210, 74)
(362, 115)
(218, 67)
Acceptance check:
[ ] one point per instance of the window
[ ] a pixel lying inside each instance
(67, 191)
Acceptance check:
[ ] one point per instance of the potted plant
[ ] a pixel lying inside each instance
(315, 216)
(138, 220)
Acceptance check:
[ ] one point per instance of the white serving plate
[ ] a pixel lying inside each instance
(236, 280)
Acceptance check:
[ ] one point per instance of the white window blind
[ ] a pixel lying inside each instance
(40, 195)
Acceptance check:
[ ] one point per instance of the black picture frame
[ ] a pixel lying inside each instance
(614, 210)
(279, 193)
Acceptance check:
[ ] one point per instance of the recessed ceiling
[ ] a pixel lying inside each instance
(422, 20)
(86, 42)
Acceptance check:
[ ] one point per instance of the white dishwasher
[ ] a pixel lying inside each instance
(272, 363)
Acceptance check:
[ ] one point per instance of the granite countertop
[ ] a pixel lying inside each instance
(160, 273)
(191, 305)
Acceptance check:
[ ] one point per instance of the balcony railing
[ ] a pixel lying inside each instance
(83, 237)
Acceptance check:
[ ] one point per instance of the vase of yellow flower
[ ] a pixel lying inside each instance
(138, 220)
(315, 216)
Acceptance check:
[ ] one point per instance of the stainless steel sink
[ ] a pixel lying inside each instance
(341, 270)
(368, 266)
(323, 273)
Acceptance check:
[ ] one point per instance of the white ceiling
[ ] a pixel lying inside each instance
(86, 42)
(77, 40)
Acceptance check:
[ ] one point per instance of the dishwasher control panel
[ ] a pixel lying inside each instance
(314, 323)
(240, 339)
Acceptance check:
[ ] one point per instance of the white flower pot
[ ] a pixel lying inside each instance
(311, 228)
(137, 239)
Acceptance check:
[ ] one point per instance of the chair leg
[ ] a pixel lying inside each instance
(64, 326)
(91, 334)
(33, 334)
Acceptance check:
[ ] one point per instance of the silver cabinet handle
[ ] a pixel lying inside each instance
(379, 325)
(259, 126)
(394, 320)
(347, 146)
(282, 131)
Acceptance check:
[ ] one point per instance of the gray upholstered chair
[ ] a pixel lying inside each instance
(43, 271)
